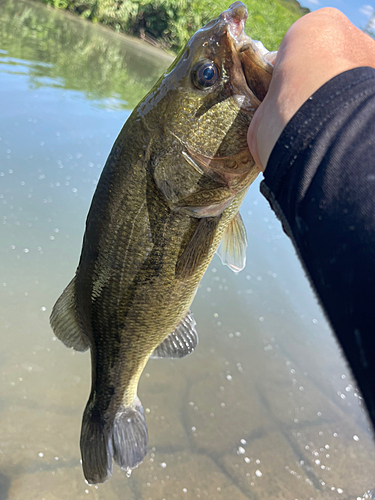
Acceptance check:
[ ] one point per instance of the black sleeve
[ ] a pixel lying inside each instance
(320, 181)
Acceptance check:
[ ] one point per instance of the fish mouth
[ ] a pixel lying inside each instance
(235, 17)
(257, 70)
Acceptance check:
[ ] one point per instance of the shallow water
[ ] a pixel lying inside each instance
(265, 407)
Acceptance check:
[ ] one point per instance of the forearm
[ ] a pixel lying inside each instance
(320, 181)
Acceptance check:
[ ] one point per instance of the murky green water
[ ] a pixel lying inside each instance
(264, 409)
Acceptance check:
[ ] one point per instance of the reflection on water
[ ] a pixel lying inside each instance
(62, 52)
(265, 408)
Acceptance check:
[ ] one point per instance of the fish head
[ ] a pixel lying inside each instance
(198, 114)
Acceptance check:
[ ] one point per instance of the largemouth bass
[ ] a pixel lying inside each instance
(168, 195)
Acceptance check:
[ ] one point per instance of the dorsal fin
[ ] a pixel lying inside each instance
(179, 343)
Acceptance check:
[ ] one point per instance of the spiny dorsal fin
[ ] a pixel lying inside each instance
(198, 248)
(232, 248)
(181, 342)
(64, 321)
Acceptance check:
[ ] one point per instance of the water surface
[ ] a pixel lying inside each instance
(265, 407)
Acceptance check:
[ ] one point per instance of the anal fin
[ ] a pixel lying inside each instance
(64, 320)
(232, 248)
(179, 343)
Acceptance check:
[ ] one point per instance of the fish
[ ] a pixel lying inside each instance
(168, 198)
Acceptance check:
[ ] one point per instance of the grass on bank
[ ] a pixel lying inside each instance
(170, 23)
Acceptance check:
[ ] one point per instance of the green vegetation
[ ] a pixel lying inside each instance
(170, 23)
(369, 29)
(65, 52)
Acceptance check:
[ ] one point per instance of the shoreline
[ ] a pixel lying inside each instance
(167, 26)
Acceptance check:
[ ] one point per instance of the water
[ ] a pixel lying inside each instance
(265, 407)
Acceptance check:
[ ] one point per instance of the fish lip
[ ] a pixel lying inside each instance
(235, 18)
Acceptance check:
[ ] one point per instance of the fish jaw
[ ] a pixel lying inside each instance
(256, 67)
(232, 21)
(236, 17)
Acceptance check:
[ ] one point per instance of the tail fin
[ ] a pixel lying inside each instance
(124, 440)
(130, 436)
(96, 445)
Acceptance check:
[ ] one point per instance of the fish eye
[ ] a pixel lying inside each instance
(204, 74)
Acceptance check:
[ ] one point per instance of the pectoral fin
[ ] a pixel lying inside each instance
(198, 248)
(232, 248)
(179, 343)
(64, 320)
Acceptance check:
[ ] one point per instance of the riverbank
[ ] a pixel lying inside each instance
(170, 23)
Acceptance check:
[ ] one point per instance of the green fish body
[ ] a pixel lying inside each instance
(168, 195)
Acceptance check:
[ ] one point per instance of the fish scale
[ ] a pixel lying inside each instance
(168, 195)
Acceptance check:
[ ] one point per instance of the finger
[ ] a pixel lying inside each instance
(271, 57)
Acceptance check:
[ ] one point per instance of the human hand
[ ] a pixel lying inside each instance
(316, 48)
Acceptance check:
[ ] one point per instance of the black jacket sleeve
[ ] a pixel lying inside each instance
(320, 181)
